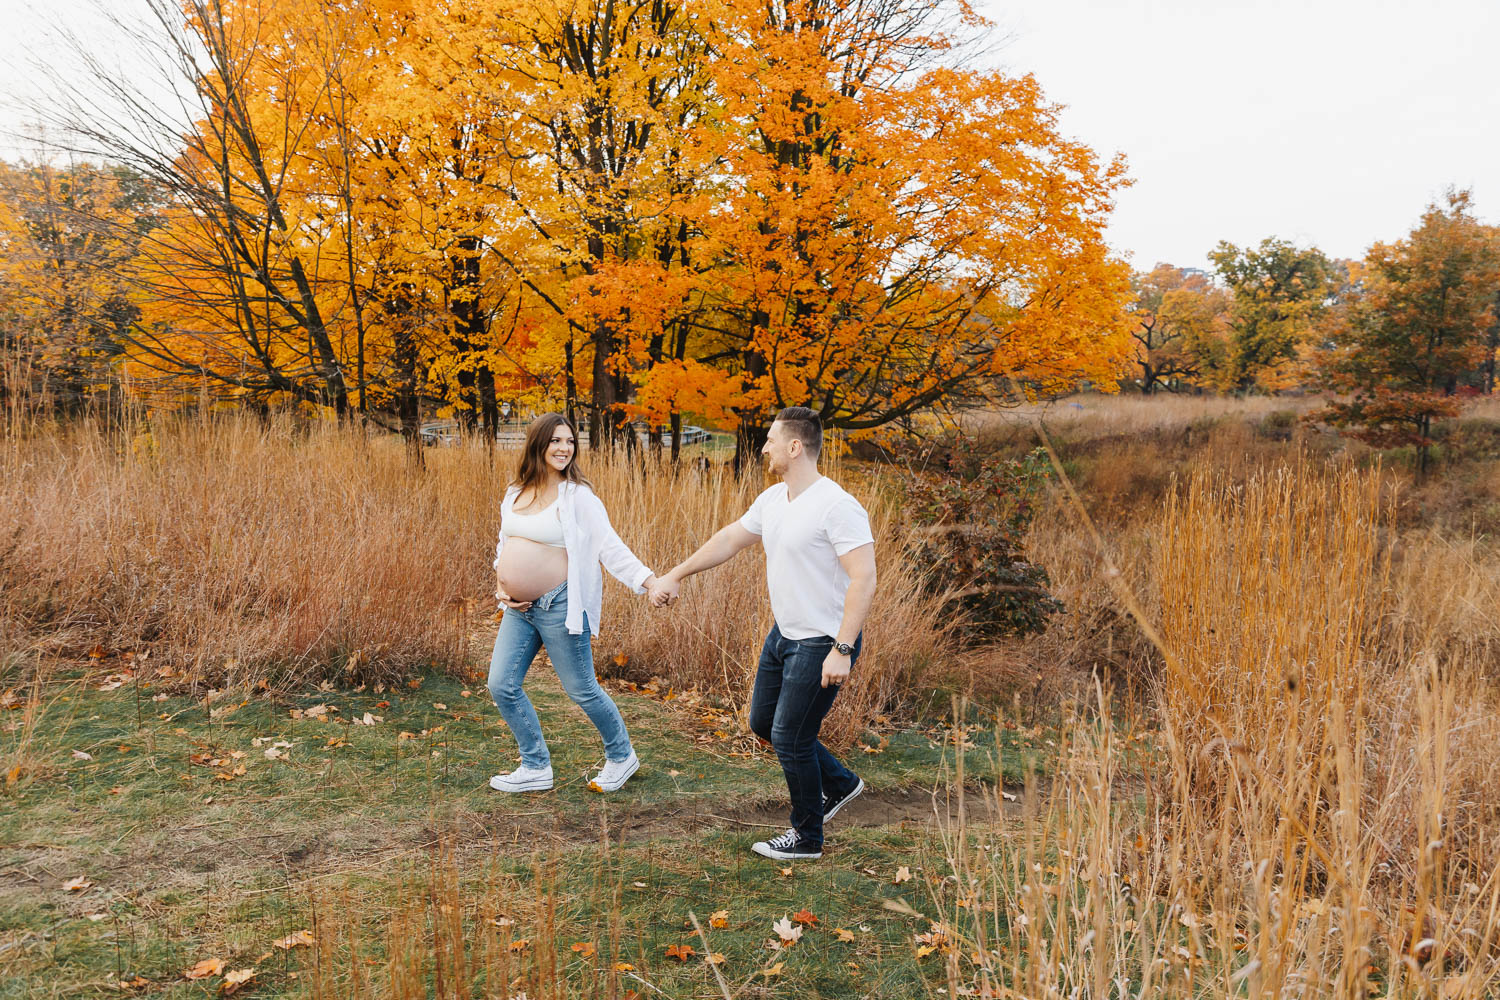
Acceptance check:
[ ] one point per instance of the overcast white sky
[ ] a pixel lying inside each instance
(1329, 122)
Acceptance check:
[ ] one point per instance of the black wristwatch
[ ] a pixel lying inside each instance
(844, 648)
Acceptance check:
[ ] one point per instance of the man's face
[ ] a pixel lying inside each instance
(780, 448)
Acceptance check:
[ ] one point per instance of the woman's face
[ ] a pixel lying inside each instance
(560, 449)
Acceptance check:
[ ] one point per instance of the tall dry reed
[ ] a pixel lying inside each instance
(238, 550)
(1315, 815)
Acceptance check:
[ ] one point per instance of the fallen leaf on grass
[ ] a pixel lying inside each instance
(787, 931)
(9, 699)
(787, 871)
(297, 939)
(80, 755)
(719, 918)
(681, 952)
(234, 980)
(440, 706)
(924, 950)
(275, 753)
(716, 958)
(76, 885)
(94, 918)
(584, 948)
(843, 934)
(804, 917)
(903, 874)
(204, 969)
(368, 720)
(624, 967)
(774, 970)
(520, 944)
(135, 983)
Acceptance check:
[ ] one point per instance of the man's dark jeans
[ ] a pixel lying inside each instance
(787, 709)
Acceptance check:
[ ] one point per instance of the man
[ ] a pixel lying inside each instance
(820, 570)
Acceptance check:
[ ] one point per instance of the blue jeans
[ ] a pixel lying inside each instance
(787, 708)
(521, 634)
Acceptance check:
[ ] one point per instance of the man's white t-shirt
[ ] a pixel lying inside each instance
(803, 539)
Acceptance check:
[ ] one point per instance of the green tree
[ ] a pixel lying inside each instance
(1279, 293)
(1418, 323)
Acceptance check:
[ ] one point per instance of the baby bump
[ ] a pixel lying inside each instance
(529, 569)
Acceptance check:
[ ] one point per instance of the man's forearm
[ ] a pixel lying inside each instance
(720, 548)
(856, 608)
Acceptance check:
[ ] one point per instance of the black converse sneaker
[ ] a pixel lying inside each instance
(787, 847)
(832, 805)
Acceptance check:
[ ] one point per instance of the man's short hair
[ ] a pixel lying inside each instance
(805, 425)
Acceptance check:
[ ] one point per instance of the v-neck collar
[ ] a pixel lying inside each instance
(805, 490)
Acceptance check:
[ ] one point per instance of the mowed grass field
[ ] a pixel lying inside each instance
(244, 737)
(160, 828)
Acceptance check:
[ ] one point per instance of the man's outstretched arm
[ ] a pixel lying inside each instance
(725, 544)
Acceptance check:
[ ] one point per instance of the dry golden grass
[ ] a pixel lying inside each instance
(238, 552)
(1316, 812)
(1097, 414)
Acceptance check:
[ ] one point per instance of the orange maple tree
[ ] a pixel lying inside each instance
(711, 208)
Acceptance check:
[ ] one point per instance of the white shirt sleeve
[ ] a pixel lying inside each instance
(614, 554)
(847, 525)
(754, 518)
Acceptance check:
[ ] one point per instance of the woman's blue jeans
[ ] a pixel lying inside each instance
(522, 634)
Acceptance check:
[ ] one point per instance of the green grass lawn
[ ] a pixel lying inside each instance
(151, 830)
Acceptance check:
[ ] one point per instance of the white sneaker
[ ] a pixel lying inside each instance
(524, 779)
(615, 773)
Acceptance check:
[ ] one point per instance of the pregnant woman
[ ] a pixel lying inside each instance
(554, 533)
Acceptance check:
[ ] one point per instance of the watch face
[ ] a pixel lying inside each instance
(845, 648)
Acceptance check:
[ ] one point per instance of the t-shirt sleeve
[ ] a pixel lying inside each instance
(848, 526)
(754, 519)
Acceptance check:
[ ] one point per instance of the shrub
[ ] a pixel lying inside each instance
(966, 529)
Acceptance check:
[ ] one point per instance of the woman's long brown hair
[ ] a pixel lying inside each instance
(533, 470)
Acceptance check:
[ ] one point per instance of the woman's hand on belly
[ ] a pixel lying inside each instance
(527, 571)
(505, 599)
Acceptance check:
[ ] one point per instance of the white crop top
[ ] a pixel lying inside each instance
(544, 526)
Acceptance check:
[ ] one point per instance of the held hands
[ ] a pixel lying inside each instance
(662, 591)
(835, 668)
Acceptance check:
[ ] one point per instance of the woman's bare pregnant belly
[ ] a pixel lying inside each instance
(529, 569)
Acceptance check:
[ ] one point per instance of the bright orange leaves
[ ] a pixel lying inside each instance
(704, 209)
